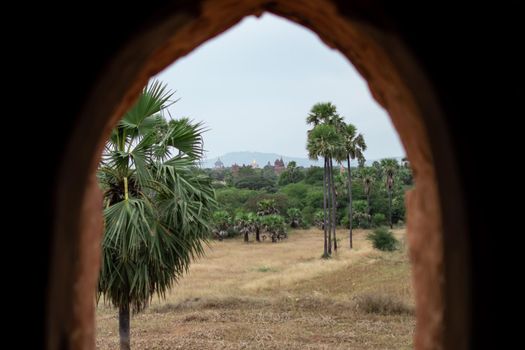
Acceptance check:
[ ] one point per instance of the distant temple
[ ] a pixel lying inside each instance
(235, 169)
(278, 166)
(254, 165)
(219, 164)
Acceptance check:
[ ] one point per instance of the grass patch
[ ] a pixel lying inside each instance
(279, 296)
(266, 269)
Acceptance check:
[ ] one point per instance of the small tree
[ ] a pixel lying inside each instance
(295, 217)
(243, 225)
(319, 219)
(275, 225)
(256, 225)
(267, 207)
(221, 224)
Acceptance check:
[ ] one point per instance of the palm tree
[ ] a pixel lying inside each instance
(243, 224)
(389, 167)
(295, 217)
(267, 207)
(156, 209)
(320, 113)
(323, 141)
(354, 146)
(326, 114)
(255, 223)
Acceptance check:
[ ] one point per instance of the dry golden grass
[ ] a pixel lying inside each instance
(280, 296)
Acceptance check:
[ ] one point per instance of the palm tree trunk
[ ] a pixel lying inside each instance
(334, 204)
(257, 234)
(368, 209)
(390, 207)
(125, 188)
(246, 237)
(349, 201)
(329, 198)
(325, 252)
(123, 327)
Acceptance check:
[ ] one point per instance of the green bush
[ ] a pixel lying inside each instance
(379, 219)
(308, 216)
(345, 222)
(383, 239)
(361, 220)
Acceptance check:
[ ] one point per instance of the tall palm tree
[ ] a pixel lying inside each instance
(156, 209)
(389, 166)
(323, 141)
(354, 146)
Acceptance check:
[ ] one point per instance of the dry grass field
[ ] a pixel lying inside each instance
(279, 296)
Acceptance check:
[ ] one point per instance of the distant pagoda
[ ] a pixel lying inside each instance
(278, 166)
(219, 164)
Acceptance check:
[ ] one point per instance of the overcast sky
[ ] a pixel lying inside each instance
(254, 85)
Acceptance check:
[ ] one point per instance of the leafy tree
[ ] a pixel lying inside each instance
(281, 201)
(378, 219)
(405, 175)
(314, 175)
(360, 216)
(156, 210)
(256, 182)
(297, 194)
(314, 198)
(291, 175)
(232, 199)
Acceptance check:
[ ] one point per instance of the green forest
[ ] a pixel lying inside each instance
(297, 194)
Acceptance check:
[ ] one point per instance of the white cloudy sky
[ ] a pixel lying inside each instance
(254, 85)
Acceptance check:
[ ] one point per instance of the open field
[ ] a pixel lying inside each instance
(280, 296)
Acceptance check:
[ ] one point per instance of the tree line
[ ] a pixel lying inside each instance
(350, 194)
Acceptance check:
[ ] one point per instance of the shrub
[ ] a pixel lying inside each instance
(379, 219)
(383, 239)
(382, 304)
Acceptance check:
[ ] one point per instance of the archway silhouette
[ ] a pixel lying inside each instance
(397, 82)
